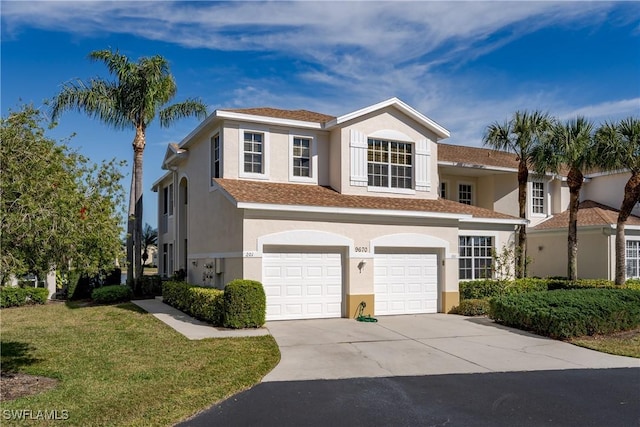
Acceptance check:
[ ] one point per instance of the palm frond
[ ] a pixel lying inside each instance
(190, 107)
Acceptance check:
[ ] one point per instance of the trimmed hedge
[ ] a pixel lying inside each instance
(245, 304)
(489, 288)
(202, 303)
(111, 294)
(569, 313)
(471, 307)
(11, 296)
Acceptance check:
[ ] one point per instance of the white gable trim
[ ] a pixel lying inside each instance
(398, 104)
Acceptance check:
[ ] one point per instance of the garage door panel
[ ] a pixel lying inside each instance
(405, 283)
(302, 285)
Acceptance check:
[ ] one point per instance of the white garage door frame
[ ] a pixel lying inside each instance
(414, 274)
(303, 282)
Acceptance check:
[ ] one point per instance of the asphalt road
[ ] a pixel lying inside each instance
(589, 397)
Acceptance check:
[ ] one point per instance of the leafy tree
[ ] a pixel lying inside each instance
(568, 145)
(618, 148)
(57, 208)
(149, 238)
(519, 135)
(131, 101)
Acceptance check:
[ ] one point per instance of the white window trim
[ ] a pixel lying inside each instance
(473, 191)
(390, 189)
(547, 198)
(265, 152)
(313, 153)
(630, 239)
(218, 132)
(172, 200)
(497, 245)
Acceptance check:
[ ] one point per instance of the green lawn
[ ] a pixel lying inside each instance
(118, 365)
(625, 343)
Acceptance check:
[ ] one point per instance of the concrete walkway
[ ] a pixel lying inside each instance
(188, 326)
(430, 344)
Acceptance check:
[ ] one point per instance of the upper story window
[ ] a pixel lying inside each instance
(301, 157)
(253, 152)
(215, 157)
(537, 197)
(167, 200)
(389, 164)
(443, 189)
(465, 194)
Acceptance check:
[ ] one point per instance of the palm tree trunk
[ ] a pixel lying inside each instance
(574, 181)
(521, 255)
(138, 149)
(130, 229)
(631, 197)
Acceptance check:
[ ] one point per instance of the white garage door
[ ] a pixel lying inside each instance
(405, 283)
(302, 285)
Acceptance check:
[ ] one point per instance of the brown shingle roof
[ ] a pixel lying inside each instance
(315, 195)
(476, 156)
(590, 213)
(302, 115)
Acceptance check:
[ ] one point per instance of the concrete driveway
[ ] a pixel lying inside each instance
(429, 344)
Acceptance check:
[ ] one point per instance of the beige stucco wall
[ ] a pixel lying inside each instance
(277, 156)
(608, 190)
(388, 119)
(548, 252)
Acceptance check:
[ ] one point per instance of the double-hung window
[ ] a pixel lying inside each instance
(475, 257)
(302, 157)
(215, 157)
(254, 152)
(632, 259)
(389, 164)
(465, 194)
(537, 197)
(443, 190)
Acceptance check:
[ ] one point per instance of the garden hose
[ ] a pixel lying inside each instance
(361, 317)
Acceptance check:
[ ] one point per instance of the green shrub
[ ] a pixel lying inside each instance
(555, 284)
(37, 295)
(111, 294)
(200, 302)
(207, 304)
(245, 304)
(149, 285)
(633, 284)
(489, 288)
(568, 313)
(11, 296)
(471, 307)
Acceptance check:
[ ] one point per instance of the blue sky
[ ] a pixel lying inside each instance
(463, 64)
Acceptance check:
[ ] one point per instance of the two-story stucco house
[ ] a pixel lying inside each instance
(488, 178)
(325, 211)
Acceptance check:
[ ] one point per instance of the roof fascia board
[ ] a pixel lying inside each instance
(606, 173)
(352, 211)
(476, 166)
(395, 102)
(156, 184)
(515, 221)
(267, 120)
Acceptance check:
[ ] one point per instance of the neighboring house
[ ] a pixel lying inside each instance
(488, 178)
(327, 212)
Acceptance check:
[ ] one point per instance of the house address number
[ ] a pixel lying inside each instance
(362, 249)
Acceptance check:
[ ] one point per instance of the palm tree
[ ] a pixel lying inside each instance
(568, 145)
(136, 96)
(519, 135)
(618, 148)
(149, 238)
